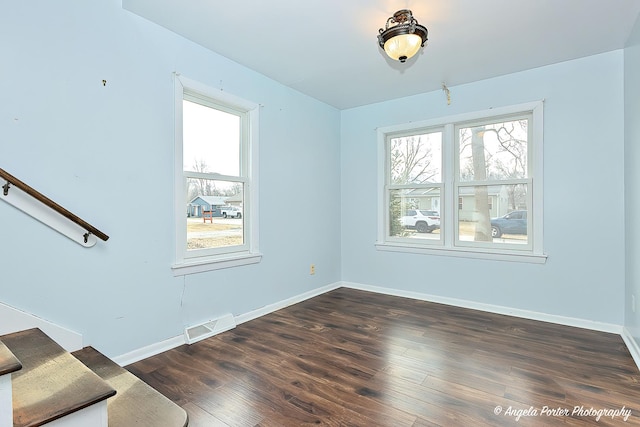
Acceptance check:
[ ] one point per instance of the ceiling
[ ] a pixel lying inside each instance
(328, 49)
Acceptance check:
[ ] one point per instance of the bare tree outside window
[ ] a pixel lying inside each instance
(415, 175)
(415, 159)
(493, 155)
(200, 186)
(483, 219)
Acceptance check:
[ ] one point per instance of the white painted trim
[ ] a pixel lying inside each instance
(449, 244)
(48, 216)
(6, 401)
(254, 314)
(632, 345)
(463, 252)
(191, 262)
(95, 415)
(14, 320)
(491, 308)
(157, 348)
(149, 350)
(194, 265)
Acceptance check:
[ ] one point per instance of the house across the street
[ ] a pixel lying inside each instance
(200, 204)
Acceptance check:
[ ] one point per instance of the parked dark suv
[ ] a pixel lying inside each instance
(512, 223)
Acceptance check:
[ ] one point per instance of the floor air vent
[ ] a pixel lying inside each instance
(196, 333)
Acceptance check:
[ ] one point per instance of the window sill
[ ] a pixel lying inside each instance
(495, 255)
(193, 266)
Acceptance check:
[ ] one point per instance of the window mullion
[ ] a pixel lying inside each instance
(448, 213)
(214, 176)
(493, 182)
(414, 186)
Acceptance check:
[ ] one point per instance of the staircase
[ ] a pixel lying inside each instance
(43, 384)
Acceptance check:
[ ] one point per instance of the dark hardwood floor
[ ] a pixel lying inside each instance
(354, 358)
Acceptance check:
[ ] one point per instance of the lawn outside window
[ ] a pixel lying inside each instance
(215, 170)
(467, 185)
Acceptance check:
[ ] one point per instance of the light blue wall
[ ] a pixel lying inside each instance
(101, 150)
(583, 195)
(98, 150)
(632, 180)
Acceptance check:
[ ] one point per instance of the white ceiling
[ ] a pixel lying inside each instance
(328, 49)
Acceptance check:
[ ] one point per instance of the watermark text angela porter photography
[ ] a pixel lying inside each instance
(622, 413)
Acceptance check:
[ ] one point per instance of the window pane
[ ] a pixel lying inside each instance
(416, 159)
(493, 213)
(415, 213)
(494, 151)
(214, 214)
(211, 140)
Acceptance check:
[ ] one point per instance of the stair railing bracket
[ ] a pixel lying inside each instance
(31, 201)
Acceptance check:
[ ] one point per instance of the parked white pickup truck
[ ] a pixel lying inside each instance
(231, 212)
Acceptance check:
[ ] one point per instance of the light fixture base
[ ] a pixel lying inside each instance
(402, 16)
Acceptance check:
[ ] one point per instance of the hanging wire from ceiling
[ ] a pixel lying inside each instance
(447, 92)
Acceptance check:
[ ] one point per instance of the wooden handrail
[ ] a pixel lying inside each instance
(12, 180)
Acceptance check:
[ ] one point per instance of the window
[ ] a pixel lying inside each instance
(469, 185)
(415, 184)
(215, 188)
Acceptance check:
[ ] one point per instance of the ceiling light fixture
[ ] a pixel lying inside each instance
(404, 39)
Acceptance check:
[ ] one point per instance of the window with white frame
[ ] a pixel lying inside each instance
(468, 185)
(215, 170)
(414, 184)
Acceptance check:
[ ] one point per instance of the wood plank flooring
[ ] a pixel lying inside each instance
(354, 358)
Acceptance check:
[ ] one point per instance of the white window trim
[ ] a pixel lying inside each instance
(250, 255)
(447, 213)
(439, 185)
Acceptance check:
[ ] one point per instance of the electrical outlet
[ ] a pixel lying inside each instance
(312, 269)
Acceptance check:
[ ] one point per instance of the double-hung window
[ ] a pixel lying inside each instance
(415, 186)
(215, 179)
(467, 185)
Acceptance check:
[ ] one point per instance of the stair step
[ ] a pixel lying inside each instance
(51, 383)
(9, 363)
(136, 403)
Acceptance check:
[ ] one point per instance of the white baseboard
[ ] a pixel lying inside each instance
(157, 348)
(525, 314)
(285, 303)
(14, 320)
(149, 350)
(153, 349)
(632, 345)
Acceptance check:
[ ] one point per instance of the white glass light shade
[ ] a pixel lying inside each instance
(403, 46)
